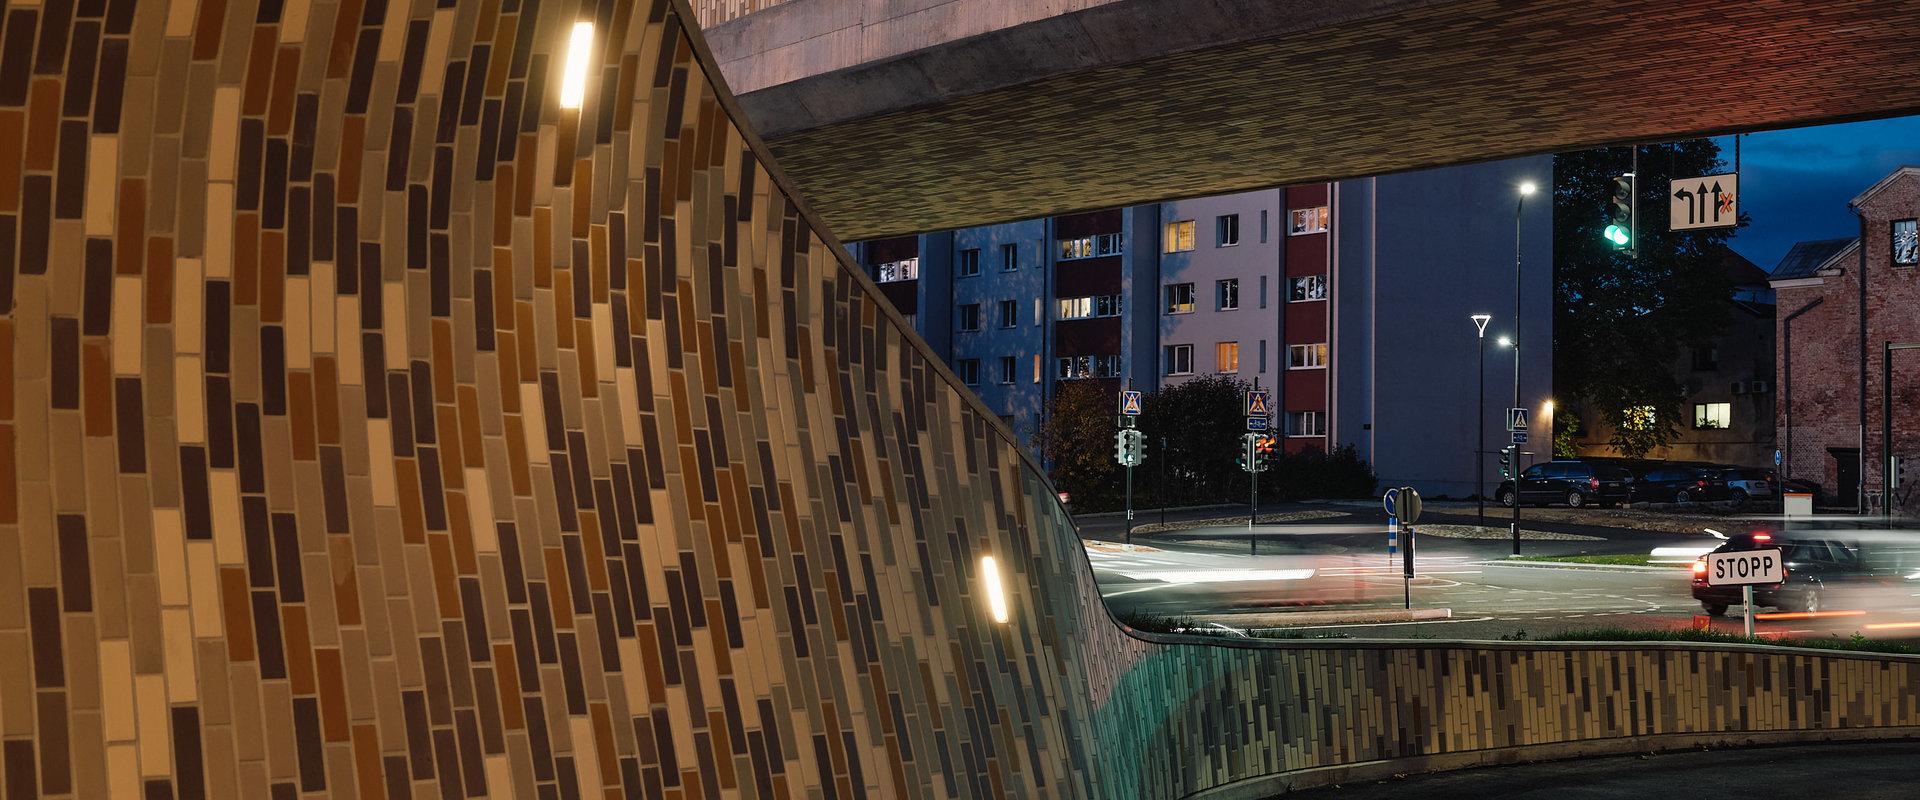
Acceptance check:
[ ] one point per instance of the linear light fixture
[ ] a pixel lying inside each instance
(573, 82)
(996, 594)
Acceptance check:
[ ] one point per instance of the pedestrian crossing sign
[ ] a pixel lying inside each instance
(1257, 403)
(1516, 419)
(1130, 402)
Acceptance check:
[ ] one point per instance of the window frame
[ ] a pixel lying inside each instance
(968, 370)
(1220, 351)
(1318, 430)
(967, 257)
(1317, 355)
(1704, 416)
(1167, 296)
(1009, 370)
(1009, 320)
(1309, 220)
(1318, 281)
(1097, 245)
(1893, 239)
(906, 269)
(961, 314)
(1226, 230)
(1176, 233)
(1220, 291)
(1169, 356)
(1010, 257)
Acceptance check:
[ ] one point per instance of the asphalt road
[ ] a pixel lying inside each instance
(1856, 771)
(1339, 563)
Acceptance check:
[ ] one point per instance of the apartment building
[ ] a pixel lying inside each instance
(1350, 299)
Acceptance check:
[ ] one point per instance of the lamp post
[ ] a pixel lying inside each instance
(1480, 437)
(1526, 188)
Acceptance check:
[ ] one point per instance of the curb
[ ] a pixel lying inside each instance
(1263, 620)
(1577, 565)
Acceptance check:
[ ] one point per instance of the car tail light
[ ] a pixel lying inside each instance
(1593, 483)
(1702, 482)
(1762, 537)
(1700, 568)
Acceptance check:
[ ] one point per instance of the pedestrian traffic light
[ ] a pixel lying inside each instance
(1619, 230)
(1120, 447)
(1263, 452)
(1136, 447)
(1506, 463)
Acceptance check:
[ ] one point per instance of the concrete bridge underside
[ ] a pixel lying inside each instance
(909, 116)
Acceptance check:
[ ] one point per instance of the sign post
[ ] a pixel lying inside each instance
(1132, 448)
(1390, 500)
(1744, 568)
(1259, 409)
(1407, 510)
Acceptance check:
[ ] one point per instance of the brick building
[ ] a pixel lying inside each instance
(1829, 409)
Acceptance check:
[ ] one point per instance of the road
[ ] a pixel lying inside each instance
(1857, 771)
(1339, 563)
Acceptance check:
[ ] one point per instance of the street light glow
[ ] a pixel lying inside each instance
(1527, 188)
(990, 582)
(573, 83)
(1504, 342)
(1546, 408)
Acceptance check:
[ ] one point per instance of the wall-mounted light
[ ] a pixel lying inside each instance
(996, 593)
(573, 81)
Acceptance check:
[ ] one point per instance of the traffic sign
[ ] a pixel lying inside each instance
(1259, 402)
(1391, 501)
(1516, 419)
(1709, 201)
(1407, 505)
(1256, 423)
(1130, 402)
(1745, 568)
(1776, 458)
(1519, 437)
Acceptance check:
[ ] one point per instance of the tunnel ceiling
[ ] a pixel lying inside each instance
(1426, 86)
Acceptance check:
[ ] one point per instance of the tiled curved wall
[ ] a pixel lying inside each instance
(372, 426)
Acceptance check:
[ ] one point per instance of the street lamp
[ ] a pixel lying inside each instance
(1480, 442)
(1526, 188)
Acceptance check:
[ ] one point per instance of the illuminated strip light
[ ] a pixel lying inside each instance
(1811, 614)
(1881, 626)
(573, 82)
(996, 595)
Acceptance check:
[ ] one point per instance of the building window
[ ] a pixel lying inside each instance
(1306, 287)
(1306, 356)
(1106, 305)
(1077, 367)
(1307, 220)
(1706, 359)
(1179, 236)
(969, 370)
(1009, 313)
(1227, 355)
(1036, 367)
(896, 271)
(1263, 226)
(970, 317)
(1009, 369)
(1906, 242)
(969, 265)
(1263, 291)
(1306, 423)
(1179, 359)
(1009, 257)
(1226, 230)
(1712, 415)
(1179, 298)
(1104, 244)
(1263, 355)
(1226, 294)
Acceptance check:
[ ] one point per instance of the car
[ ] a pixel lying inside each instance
(1680, 484)
(1747, 483)
(1813, 568)
(1575, 483)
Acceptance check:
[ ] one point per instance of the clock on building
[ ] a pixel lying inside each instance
(1906, 241)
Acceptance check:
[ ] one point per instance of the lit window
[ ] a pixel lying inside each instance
(1306, 423)
(1306, 356)
(1712, 415)
(1306, 287)
(1307, 220)
(1106, 305)
(1228, 356)
(1906, 242)
(1009, 369)
(1226, 294)
(969, 370)
(970, 317)
(1009, 257)
(1179, 298)
(1226, 230)
(1009, 313)
(1179, 359)
(1104, 244)
(1077, 367)
(969, 265)
(906, 269)
(1179, 236)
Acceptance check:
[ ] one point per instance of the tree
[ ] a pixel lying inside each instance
(1076, 438)
(1620, 319)
(1201, 421)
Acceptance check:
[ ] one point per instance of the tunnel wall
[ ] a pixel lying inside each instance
(371, 426)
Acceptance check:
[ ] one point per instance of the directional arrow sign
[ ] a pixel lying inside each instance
(1709, 201)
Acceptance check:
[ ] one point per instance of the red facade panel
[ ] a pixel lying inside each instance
(1087, 337)
(1073, 226)
(1087, 276)
(1306, 323)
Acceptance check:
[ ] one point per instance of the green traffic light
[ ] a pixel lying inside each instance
(1617, 235)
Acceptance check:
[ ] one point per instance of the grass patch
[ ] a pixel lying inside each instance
(1628, 560)
(1855, 642)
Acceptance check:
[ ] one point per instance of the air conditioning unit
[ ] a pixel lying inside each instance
(1739, 387)
(1759, 387)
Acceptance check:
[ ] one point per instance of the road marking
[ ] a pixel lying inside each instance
(1378, 624)
(1141, 589)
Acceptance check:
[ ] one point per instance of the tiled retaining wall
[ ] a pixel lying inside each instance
(371, 426)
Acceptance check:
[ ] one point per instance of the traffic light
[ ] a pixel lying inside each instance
(1506, 463)
(1250, 453)
(1120, 446)
(1620, 212)
(1263, 452)
(1129, 447)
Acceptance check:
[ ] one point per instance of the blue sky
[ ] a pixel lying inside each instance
(1795, 183)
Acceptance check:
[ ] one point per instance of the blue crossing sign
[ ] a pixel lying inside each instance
(1130, 402)
(1259, 403)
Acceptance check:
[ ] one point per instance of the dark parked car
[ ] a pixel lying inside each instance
(1814, 567)
(1680, 484)
(1575, 483)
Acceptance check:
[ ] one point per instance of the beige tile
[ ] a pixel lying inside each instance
(128, 303)
(229, 532)
(103, 184)
(189, 400)
(219, 242)
(203, 578)
(176, 628)
(155, 737)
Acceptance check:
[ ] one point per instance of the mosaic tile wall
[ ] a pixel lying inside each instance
(372, 426)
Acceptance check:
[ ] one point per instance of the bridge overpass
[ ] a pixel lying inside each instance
(898, 117)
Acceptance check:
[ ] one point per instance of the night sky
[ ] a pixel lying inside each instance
(1795, 183)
